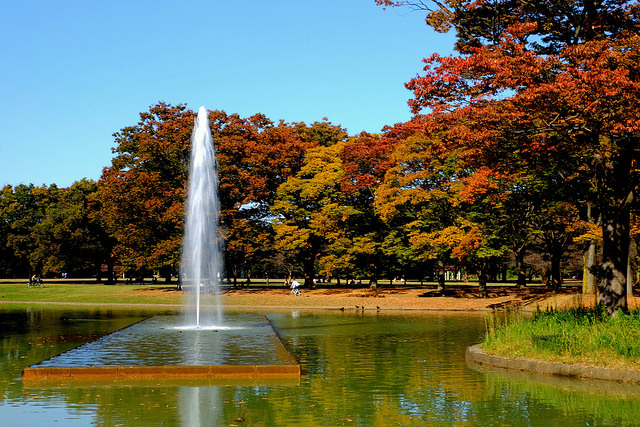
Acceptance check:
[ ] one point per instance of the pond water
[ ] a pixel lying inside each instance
(358, 368)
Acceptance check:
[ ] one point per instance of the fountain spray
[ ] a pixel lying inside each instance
(201, 264)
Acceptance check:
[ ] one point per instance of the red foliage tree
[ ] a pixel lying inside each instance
(541, 83)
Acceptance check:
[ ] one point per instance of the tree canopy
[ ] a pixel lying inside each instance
(539, 86)
(524, 141)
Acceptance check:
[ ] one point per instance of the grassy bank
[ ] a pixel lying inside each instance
(579, 335)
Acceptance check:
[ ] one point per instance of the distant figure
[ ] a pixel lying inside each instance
(294, 287)
(35, 281)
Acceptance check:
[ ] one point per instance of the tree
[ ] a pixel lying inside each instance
(324, 214)
(69, 239)
(23, 208)
(312, 213)
(142, 192)
(560, 225)
(256, 156)
(365, 160)
(548, 81)
(415, 197)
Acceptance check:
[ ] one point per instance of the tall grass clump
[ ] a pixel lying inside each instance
(579, 335)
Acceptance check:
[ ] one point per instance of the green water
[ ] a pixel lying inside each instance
(359, 369)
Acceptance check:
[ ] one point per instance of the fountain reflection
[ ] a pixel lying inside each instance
(198, 406)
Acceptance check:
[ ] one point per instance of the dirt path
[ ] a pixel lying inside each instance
(454, 299)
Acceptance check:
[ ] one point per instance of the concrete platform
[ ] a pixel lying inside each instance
(107, 358)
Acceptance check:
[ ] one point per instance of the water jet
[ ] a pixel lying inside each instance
(201, 265)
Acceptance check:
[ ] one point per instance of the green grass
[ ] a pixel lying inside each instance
(92, 293)
(584, 336)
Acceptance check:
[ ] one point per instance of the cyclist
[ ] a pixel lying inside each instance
(294, 287)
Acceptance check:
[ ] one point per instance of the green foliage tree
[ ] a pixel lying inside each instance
(69, 239)
(22, 209)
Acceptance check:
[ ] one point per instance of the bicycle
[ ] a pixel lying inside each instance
(35, 283)
(294, 287)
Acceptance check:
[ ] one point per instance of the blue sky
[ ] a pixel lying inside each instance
(76, 71)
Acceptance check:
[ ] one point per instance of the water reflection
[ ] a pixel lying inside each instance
(372, 369)
(199, 405)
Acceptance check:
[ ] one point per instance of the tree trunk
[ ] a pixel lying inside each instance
(589, 278)
(520, 267)
(110, 280)
(615, 195)
(629, 278)
(615, 252)
(165, 273)
(440, 273)
(309, 273)
(482, 283)
(556, 270)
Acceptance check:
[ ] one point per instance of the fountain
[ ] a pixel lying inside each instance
(201, 263)
(199, 346)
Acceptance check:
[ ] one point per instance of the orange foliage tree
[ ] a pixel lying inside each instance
(142, 192)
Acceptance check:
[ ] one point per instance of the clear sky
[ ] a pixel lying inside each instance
(76, 71)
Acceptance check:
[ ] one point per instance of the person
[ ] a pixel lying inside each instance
(294, 287)
(35, 281)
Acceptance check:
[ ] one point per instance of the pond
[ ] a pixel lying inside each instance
(360, 368)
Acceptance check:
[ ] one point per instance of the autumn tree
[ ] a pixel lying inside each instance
(415, 197)
(143, 191)
(545, 81)
(325, 214)
(365, 160)
(311, 214)
(256, 156)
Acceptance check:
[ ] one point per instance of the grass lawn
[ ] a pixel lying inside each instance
(579, 336)
(92, 293)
